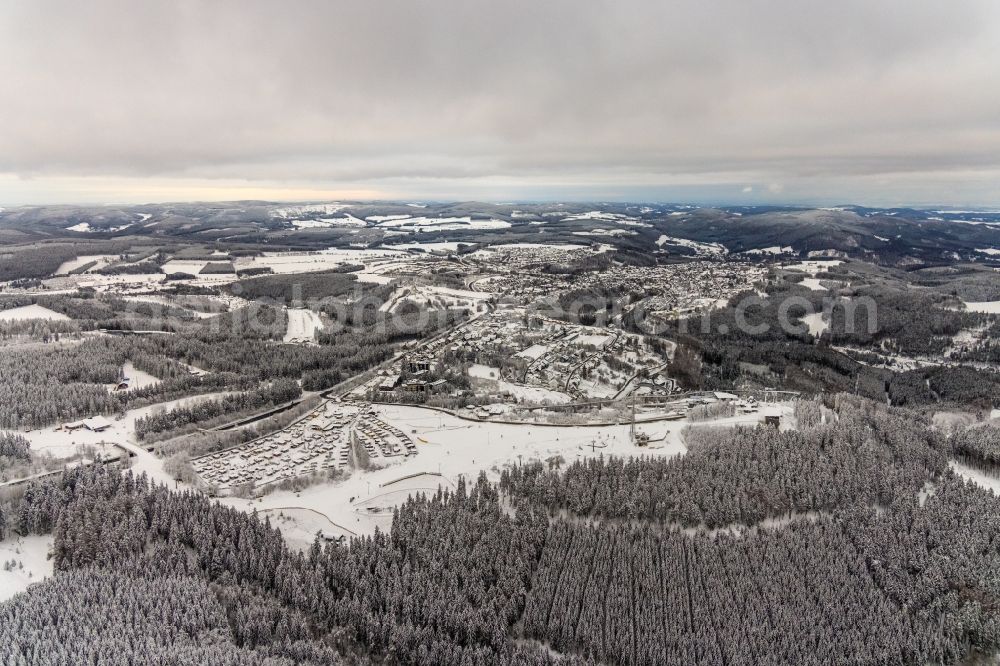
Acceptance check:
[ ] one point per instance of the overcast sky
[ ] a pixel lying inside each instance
(879, 102)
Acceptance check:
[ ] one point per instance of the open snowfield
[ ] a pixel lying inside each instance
(442, 223)
(440, 246)
(31, 312)
(63, 444)
(533, 352)
(184, 266)
(302, 325)
(816, 323)
(700, 249)
(139, 379)
(307, 262)
(597, 339)
(986, 307)
(458, 293)
(170, 302)
(120, 284)
(813, 283)
(497, 252)
(73, 264)
(982, 479)
(773, 250)
(813, 267)
(455, 447)
(325, 222)
(32, 553)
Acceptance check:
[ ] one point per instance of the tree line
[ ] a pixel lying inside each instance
(276, 393)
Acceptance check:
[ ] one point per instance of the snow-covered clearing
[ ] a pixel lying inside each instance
(119, 284)
(816, 323)
(440, 246)
(31, 312)
(986, 307)
(169, 302)
(773, 250)
(137, 378)
(813, 267)
(309, 209)
(64, 444)
(982, 479)
(73, 264)
(700, 249)
(531, 246)
(455, 447)
(302, 325)
(605, 232)
(306, 262)
(443, 223)
(32, 563)
(596, 339)
(458, 293)
(533, 352)
(387, 218)
(325, 222)
(813, 283)
(193, 267)
(617, 218)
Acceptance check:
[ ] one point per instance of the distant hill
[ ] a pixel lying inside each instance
(897, 237)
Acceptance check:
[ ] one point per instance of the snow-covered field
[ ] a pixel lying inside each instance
(700, 249)
(63, 444)
(286, 212)
(170, 302)
(455, 447)
(816, 323)
(120, 284)
(441, 223)
(31, 312)
(306, 262)
(986, 307)
(982, 479)
(302, 325)
(32, 554)
(184, 266)
(534, 351)
(347, 221)
(596, 339)
(813, 267)
(139, 379)
(773, 250)
(440, 246)
(73, 264)
(813, 283)
(605, 232)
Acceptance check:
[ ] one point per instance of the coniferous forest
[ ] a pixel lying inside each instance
(849, 541)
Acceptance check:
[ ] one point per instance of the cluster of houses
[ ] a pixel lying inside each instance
(380, 438)
(319, 442)
(315, 444)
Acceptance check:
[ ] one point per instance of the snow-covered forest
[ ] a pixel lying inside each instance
(850, 540)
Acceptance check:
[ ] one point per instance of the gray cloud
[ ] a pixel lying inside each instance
(846, 100)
